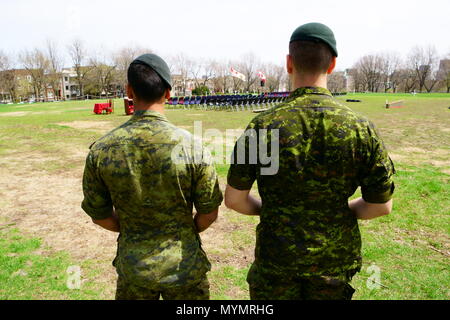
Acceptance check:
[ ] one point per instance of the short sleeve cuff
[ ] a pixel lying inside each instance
(239, 183)
(378, 197)
(97, 213)
(208, 207)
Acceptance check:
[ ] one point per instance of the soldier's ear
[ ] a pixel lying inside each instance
(289, 64)
(332, 65)
(167, 96)
(130, 92)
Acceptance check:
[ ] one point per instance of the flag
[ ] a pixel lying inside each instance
(262, 76)
(237, 74)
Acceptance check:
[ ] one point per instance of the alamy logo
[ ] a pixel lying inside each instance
(73, 277)
(374, 280)
(260, 147)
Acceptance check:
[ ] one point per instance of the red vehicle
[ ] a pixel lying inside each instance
(129, 106)
(107, 108)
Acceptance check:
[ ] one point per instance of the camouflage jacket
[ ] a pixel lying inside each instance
(326, 151)
(152, 174)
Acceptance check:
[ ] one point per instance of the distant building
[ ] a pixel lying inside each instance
(182, 86)
(350, 80)
(22, 84)
(69, 86)
(444, 68)
(66, 87)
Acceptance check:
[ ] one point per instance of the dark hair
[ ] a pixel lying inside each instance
(310, 56)
(147, 85)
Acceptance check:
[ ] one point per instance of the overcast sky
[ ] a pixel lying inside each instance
(226, 29)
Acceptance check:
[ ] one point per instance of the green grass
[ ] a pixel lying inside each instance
(402, 244)
(28, 273)
(410, 246)
(228, 283)
(395, 96)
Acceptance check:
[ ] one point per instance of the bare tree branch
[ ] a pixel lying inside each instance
(38, 66)
(78, 55)
(423, 61)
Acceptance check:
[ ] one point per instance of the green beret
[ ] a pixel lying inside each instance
(315, 32)
(158, 64)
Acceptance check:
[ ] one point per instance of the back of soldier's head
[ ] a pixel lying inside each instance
(310, 57)
(149, 77)
(312, 48)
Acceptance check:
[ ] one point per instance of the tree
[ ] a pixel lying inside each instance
(194, 71)
(37, 66)
(286, 82)
(237, 84)
(78, 55)
(208, 72)
(274, 74)
(370, 68)
(408, 79)
(248, 66)
(354, 79)
(220, 78)
(122, 59)
(8, 79)
(200, 91)
(390, 63)
(337, 82)
(55, 68)
(444, 73)
(181, 67)
(431, 81)
(101, 75)
(423, 61)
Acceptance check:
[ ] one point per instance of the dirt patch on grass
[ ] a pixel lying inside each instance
(398, 157)
(418, 156)
(216, 241)
(47, 206)
(413, 150)
(439, 163)
(81, 108)
(442, 152)
(27, 159)
(220, 245)
(422, 237)
(45, 112)
(89, 125)
(14, 114)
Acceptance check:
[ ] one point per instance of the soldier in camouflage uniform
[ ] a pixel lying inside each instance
(308, 242)
(142, 180)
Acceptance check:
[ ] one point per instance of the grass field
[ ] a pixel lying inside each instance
(43, 230)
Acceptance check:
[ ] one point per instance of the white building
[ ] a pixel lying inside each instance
(69, 86)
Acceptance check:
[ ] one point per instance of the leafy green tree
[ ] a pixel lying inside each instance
(200, 91)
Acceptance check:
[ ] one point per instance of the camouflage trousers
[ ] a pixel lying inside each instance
(266, 286)
(130, 291)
